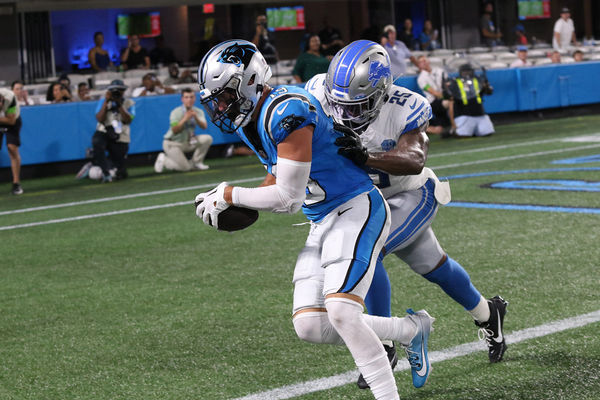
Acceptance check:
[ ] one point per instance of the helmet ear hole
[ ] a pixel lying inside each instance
(252, 79)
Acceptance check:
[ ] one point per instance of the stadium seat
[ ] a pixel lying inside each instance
(498, 49)
(506, 57)
(495, 65)
(442, 52)
(542, 61)
(436, 61)
(478, 49)
(483, 57)
(533, 53)
(542, 45)
(136, 73)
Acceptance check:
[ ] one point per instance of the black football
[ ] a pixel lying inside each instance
(236, 218)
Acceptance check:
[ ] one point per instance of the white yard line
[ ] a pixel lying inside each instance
(89, 216)
(514, 157)
(317, 385)
(126, 196)
(510, 146)
(10, 227)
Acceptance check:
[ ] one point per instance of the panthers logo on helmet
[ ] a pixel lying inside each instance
(238, 54)
(291, 123)
(377, 71)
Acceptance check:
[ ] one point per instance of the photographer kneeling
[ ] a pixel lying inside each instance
(114, 115)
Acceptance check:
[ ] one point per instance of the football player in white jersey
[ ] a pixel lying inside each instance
(389, 122)
(294, 139)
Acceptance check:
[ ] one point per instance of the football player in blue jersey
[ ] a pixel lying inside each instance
(294, 139)
(390, 122)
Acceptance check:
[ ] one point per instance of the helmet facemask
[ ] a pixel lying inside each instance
(227, 108)
(355, 114)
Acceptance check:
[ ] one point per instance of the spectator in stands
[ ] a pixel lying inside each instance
(65, 81)
(428, 39)
(467, 115)
(114, 114)
(555, 57)
(564, 31)
(520, 34)
(263, 39)
(135, 56)
(578, 56)
(406, 36)
(10, 125)
(97, 56)
(430, 81)
(21, 94)
(397, 51)
(331, 39)
(180, 138)
(311, 62)
(151, 86)
(491, 36)
(83, 92)
(522, 60)
(161, 54)
(58, 93)
(175, 79)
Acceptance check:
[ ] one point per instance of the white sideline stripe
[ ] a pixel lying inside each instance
(105, 214)
(131, 210)
(588, 138)
(126, 196)
(330, 382)
(514, 157)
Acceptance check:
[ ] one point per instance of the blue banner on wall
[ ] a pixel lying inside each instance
(62, 132)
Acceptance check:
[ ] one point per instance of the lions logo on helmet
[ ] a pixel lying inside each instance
(237, 54)
(377, 71)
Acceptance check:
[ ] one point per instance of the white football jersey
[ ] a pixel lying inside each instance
(404, 111)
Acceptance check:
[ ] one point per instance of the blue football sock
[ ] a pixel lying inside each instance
(379, 296)
(455, 281)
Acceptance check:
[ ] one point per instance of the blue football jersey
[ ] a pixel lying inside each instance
(334, 179)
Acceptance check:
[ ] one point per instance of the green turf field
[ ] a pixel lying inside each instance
(118, 291)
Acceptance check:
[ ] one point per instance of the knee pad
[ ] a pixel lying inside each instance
(343, 312)
(314, 327)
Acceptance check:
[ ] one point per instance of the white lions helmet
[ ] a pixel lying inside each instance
(357, 82)
(232, 76)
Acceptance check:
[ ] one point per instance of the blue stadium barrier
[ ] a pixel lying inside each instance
(62, 132)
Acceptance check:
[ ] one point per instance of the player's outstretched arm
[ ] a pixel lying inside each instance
(407, 158)
(286, 193)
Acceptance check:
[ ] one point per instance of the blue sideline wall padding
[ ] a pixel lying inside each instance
(62, 132)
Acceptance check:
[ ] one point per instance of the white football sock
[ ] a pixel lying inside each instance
(401, 330)
(481, 312)
(371, 359)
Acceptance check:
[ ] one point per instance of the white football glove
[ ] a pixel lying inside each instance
(210, 204)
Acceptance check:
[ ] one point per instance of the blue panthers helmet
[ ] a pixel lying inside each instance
(357, 82)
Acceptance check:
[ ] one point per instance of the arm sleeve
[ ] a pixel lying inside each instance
(285, 196)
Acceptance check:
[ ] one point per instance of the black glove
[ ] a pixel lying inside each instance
(350, 145)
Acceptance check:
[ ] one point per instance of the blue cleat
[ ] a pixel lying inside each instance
(416, 351)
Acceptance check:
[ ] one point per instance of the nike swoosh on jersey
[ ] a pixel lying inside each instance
(412, 107)
(500, 337)
(281, 110)
(341, 212)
